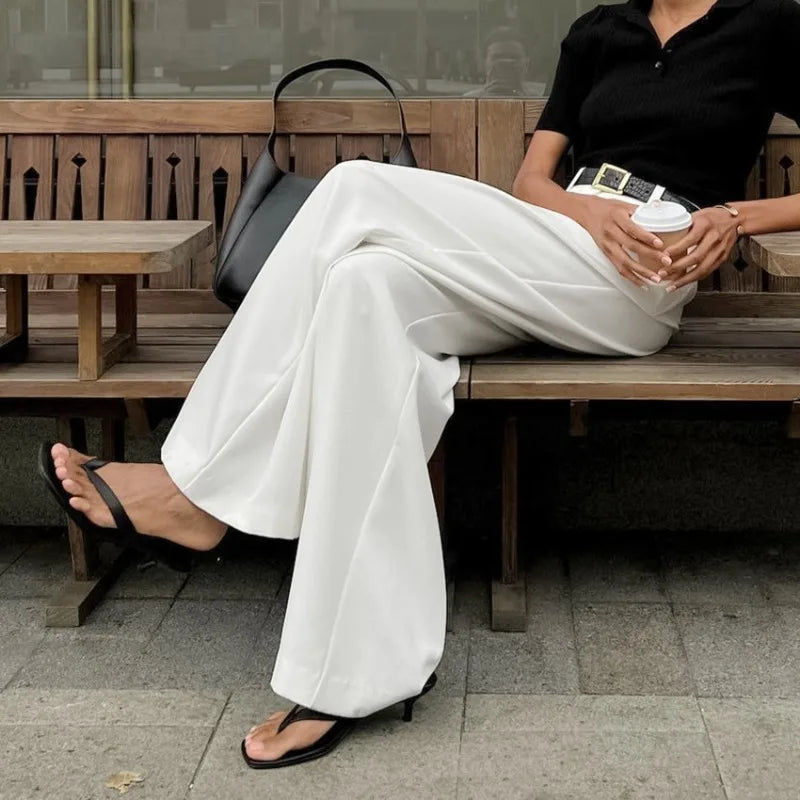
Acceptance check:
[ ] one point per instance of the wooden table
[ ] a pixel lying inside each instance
(99, 254)
(777, 253)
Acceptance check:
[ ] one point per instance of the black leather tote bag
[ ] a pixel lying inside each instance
(271, 197)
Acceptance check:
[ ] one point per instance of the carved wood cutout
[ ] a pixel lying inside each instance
(174, 196)
(219, 185)
(77, 186)
(31, 185)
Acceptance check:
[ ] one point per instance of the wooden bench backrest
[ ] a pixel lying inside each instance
(183, 160)
(171, 160)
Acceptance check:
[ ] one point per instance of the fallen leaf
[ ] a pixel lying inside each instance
(123, 781)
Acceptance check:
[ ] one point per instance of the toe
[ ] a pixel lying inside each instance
(70, 486)
(59, 451)
(80, 504)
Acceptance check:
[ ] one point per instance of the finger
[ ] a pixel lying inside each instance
(649, 239)
(695, 235)
(695, 273)
(623, 264)
(644, 252)
(622, 258)
(709, 244)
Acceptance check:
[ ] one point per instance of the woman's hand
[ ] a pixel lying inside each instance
(711, 239)
(610, 224)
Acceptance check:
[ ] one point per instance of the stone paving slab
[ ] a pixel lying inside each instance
(742, 651)
(717, 572)
(74, 763)
(21, 632)
(154, 582)
(69, 662)
(383, 758)
(608, 571)
(628, 648)
(235, 578)
(13, 543)
(585, 748)
(541, 660)
(756, 741)
(88, 707)
(200, 645)
(131, 620)
(39, 571)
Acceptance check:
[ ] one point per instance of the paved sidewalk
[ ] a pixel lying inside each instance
(653, 667)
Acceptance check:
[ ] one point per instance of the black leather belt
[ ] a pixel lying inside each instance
(619, 181)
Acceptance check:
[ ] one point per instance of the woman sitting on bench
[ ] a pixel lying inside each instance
(318, 410)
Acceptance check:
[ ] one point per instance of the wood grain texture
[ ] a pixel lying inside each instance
(453, 138)
(173, 197)
(210, 116)
(501, 138)
(777, 253)
(31, 163)
(354, 146)
(125, 178)
(98, 248)
(220, 155)
(314, 154)
(90, 340)
(782, 165)
(78, 165)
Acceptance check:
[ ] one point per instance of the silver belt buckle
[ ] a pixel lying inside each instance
(616, 177)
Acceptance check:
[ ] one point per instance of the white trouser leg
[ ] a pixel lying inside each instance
(315, 415)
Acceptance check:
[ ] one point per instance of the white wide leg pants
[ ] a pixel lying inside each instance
(318, 410)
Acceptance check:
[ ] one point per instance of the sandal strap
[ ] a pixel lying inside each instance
(121, 518)
(303, 714)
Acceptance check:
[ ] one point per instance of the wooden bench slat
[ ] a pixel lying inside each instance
(124, 380)
(645, 382)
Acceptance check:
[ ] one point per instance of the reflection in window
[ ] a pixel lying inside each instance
(269, 15)
(203, 14)
(33, 17)
(240, 48)
(76, 16)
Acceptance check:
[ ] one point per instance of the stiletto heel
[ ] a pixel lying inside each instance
(408, 705)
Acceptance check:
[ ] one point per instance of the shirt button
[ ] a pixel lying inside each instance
(659, 65)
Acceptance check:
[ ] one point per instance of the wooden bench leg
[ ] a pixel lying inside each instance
(14, 342)
(94, 355)
(793, 423)
(509, 596)
(91, 579)
(436, 470)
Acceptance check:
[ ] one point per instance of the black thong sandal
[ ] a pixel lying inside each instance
(340, 728)
(125, 534)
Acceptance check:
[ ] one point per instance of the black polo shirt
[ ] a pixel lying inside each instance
(692, 115)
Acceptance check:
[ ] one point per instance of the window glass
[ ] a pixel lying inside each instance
(239, 48)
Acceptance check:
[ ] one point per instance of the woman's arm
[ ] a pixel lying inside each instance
(769, 216)
(608, 221)
(715, 231)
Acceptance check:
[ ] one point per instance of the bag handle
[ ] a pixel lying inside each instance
(332, 63)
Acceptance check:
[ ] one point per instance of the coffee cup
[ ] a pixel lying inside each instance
(669, 221)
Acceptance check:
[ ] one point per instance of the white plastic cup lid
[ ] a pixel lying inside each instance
(661, 216)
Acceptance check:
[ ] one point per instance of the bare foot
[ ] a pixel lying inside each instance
(264, 743)
(153, 502)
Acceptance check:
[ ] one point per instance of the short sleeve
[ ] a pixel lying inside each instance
(572, 81)
(786, 85)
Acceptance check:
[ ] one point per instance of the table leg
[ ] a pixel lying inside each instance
(94, 355)
(14, 342)
(90, 328)
(92, 579)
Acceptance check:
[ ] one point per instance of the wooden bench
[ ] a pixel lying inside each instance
(187, 160)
